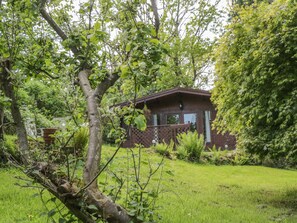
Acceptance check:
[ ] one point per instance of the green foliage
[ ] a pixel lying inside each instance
(189, 49)
(69, 148)
(80, 140)
(217, 156)
(177, 57)
(256, 86)
(4, 101)
(165, 149)
(111, 39)
(190, 145)
(9, 148)
(140, 122)
(48, 100)
(10, 143)
(182, 153)
(134, 179)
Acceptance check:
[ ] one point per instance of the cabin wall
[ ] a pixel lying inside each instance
(190, 104)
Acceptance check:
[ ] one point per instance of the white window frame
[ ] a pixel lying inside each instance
(207, 119)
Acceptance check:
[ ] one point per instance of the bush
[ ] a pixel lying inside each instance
(226, 157)
(279, 162)
(217, 156)
(182, 153)
(255, 91)
(165, 149)
(190, 146)
(81, 140)
(9, 148)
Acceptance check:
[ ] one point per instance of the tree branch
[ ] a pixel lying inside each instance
(105, 84)
(54, 25)
(41, 173)
(156, 15)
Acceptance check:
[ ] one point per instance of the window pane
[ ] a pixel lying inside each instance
(173, 119)
(156, 119)
(190, 119)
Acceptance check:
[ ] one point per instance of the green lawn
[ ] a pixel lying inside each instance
(194, 193)
(229, 194)
(18, 204)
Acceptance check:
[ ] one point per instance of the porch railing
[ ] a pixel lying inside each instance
(155, 134)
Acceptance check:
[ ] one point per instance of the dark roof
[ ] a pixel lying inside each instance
(178, 90)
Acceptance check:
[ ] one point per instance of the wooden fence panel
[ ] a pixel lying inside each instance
(156, 134)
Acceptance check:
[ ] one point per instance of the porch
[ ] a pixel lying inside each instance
(155, 134)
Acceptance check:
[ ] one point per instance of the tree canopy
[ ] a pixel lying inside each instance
(72, 58)
(256, 78)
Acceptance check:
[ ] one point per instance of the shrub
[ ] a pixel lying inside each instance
(226, 157)
(255, 91)
(182, 153)
(80, 140)
(165, 149)
(216, 156)
(190, 146)
(9, 148)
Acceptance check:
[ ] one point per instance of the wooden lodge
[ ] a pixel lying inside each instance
(175, 111)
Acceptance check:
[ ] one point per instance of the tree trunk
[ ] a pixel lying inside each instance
(15, 111)
(1, 123)
(108, 209)
(95, 139)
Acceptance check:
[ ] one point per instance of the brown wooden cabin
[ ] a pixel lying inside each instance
(175, 111)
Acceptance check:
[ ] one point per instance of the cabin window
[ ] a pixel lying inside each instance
(156, 119)
(173, 119)
(191, 119)
(207, 133)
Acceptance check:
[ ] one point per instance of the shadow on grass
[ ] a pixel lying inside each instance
(287, 200)
(287, 203)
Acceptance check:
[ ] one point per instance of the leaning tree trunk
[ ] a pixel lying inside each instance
(45, 173)
(108, 209)
(90, 193)
(1, 123)
(8, 88)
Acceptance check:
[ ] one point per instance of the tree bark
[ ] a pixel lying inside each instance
(69, 195)
(8, 89)
(156, 15)
(1, 123)
(107, 209)
(195, 73)
(95, 138)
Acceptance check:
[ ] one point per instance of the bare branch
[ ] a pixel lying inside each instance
(105, 84)
(156, 15)
(102, 169)
(54, 25)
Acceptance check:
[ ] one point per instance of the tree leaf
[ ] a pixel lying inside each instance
(124, 71)
(140, 122)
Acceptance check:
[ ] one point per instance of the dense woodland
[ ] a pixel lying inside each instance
(69, 61)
